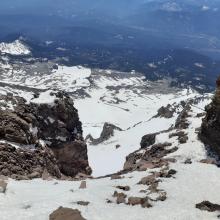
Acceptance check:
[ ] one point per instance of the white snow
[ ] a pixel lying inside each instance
(45, 98)
(136, 123)
(64, 78)
(14, 48)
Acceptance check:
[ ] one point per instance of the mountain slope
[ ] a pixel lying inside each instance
(183, 189)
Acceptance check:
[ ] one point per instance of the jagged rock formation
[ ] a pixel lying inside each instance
(107, 132)
(166, 112)
(38, 126)
(181, 122)
(148, 140)
(210, 129)
(151, 158)
(208, 206)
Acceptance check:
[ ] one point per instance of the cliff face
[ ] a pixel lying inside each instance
(52, 126)
(210, 129)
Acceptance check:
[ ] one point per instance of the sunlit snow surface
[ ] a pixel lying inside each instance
(141, 111)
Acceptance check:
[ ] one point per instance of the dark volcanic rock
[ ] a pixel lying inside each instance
(55, 125)
(182, 122)
(165, 112)
(27, 164)
(210, 129)
(66, 214)
(208, 206)
(72, 158)
(107, 132)
(148, 140)
(83, 203)
(124, 188)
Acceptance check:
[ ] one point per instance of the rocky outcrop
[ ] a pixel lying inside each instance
(210, 129)
(208, 206)
(53, 127)
(107, 133)
(26, 163)
(151, 158)
(139, 201)
(66, 214)
(182, 122)
(166, 112)
(3, 186)
(148, 140)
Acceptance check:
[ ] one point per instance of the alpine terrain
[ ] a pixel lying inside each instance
(98, 125)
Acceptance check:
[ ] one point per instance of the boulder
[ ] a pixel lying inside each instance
(116, 177)
(148, 180)
(134, 201)
(124, 188)
(162, 196)
(165, 112)
(188, 161)
(107, 132)
(83, 185)
(3, 186)
(144, 202)
(148, 140)
(183, 140)
(83, 203)
(208, 206)
(120, 198)
(66, 214)
(209, 161)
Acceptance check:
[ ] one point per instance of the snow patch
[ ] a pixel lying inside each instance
(14, 48)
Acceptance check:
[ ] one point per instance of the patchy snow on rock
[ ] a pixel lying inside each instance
(134, 114)
(45, 77)
(46, 97)
(14, 48)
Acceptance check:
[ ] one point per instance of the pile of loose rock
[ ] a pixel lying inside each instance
(22, 164)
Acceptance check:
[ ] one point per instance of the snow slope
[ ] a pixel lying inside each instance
(130, 102)
(36, 199)
(126, 100)
(136, 122)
